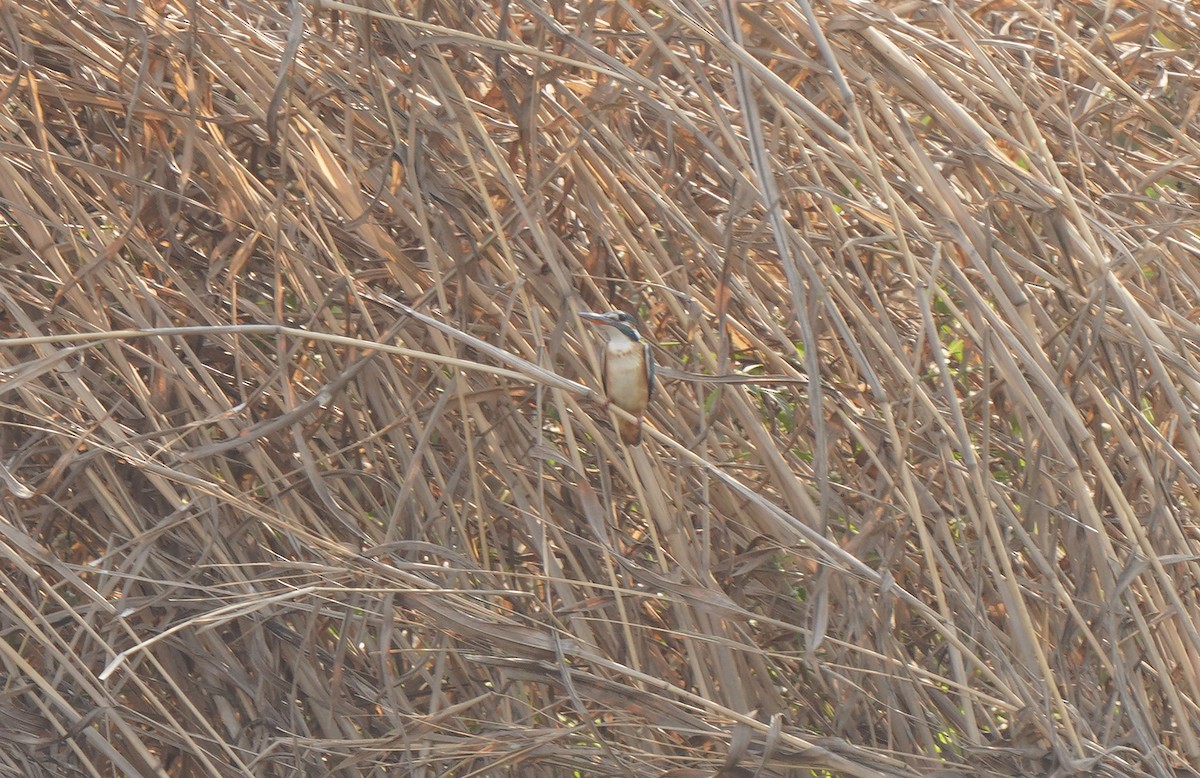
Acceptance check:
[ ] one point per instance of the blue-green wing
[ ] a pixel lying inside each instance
(604, 371)
(649, 371)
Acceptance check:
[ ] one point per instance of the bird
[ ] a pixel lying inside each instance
(628, 370)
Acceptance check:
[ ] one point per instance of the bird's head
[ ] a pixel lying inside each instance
(618, 320)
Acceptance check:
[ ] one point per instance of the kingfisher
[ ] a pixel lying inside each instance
(628, 370)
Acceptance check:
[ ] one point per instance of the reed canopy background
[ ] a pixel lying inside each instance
(304, 464)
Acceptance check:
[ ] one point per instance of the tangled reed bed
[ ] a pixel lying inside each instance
(936, 515)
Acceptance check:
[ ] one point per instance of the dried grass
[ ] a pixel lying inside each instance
(260, 519)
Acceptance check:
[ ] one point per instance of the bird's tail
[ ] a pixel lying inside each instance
(630, 431)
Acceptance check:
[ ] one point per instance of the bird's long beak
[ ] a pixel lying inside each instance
(598, 318)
